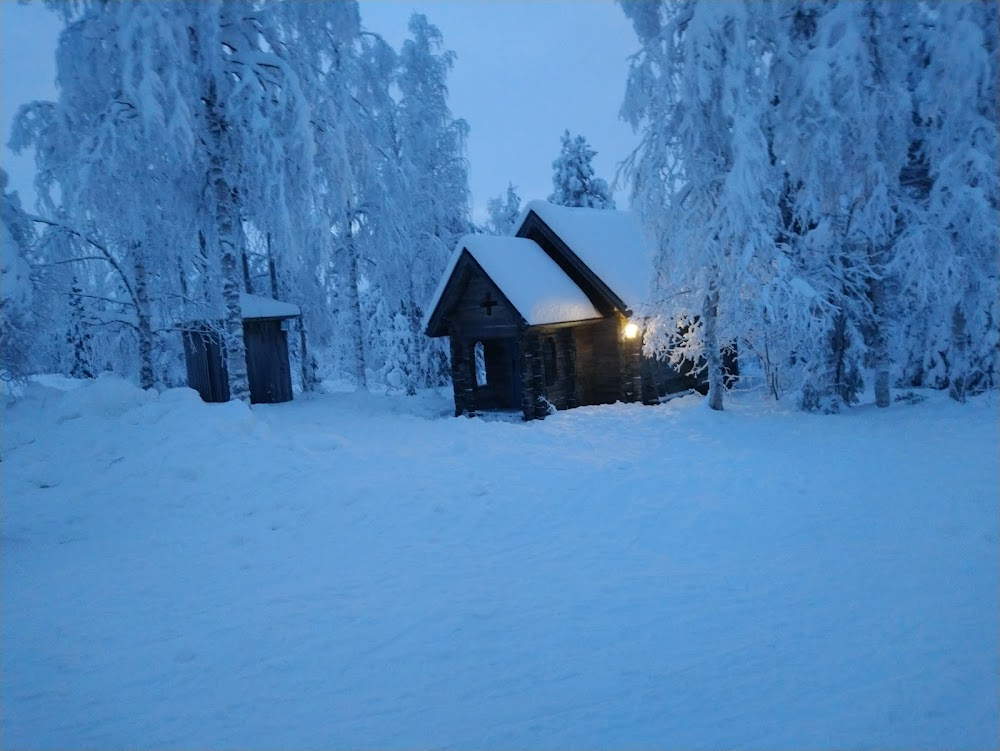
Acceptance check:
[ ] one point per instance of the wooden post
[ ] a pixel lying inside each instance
(310, 378)
(629, 352)
(567, 343)
(524, 373)
(272, 269)
(462, 374)
(533, 379)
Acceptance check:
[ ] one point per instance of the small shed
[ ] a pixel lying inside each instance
(541, 320)
(265, 333)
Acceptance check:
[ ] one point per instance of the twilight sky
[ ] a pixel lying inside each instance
(526, 70)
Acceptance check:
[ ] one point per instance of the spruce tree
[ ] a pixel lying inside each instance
(78, 337)
(502, 212)
(573, 180)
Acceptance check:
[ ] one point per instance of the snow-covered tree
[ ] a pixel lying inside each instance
(259, 136)
(198, 150)
(818, 192)
(435, 175)
(180, 131)
(113, 147)
(840, 134)
(502, 212)
(374, 244)
(78, 337)
(948, 261)
(17, 322)
(702, 175)
(573, 180)
(399, 357)
(304, 215)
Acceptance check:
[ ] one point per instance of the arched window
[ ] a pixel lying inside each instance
(549, 360)
(480, 362)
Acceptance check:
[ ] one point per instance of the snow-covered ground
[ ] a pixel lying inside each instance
(367, 571)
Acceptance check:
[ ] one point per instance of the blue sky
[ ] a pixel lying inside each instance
(525, 71)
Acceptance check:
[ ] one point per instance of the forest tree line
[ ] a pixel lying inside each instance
(821, 182)
(198, 150)
(818, 180)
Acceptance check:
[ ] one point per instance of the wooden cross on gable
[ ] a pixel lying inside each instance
(488, 303)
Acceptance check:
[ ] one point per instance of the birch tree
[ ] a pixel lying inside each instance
(115, 145)
(435, 173)
(948, 260)
(16, 287)
(841, 137)
(702, 175)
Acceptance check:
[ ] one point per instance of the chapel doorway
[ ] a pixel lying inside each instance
(497, 374)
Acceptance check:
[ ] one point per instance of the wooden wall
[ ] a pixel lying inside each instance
(549, 371)
(463, 373)
(206, 365)
(466, 313)
(599, 361)
(541, 367)
(268, 369)
(593, 365)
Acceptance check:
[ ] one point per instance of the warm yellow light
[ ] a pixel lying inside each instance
(631, 330)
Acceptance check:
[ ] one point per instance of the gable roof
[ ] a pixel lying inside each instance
(609, 243)
(531, 281)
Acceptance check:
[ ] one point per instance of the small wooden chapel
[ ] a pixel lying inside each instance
(540, 320)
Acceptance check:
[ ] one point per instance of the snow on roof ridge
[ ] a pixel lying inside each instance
(445, 278)
(532, 282)
(258, 306)
(611, 243)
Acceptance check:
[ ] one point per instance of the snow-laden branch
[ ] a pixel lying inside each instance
(106, 255)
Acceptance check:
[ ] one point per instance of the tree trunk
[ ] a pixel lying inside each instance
(247, 283)
(310, 379)
(203, 265)
(144, 325)
(713, 354)
(182, 279)
(354, 306)
(78, 337)
(272, 270)
(959, 357)
(880, 345)
(244, 258)
(420, 370)
(229, 248)
(882, 390)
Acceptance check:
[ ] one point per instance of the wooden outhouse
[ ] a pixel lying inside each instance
(541, 320)
(265, 333)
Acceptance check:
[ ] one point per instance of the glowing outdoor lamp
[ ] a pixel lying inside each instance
(631, 331)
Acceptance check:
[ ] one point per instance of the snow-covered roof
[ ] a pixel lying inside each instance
(251, 306)
(257, 306)
(611, 244)
(535, 285)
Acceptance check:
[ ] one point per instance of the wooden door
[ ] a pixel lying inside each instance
(268, 369)
(515, 373)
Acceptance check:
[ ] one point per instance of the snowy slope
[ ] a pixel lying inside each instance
(365, 571)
